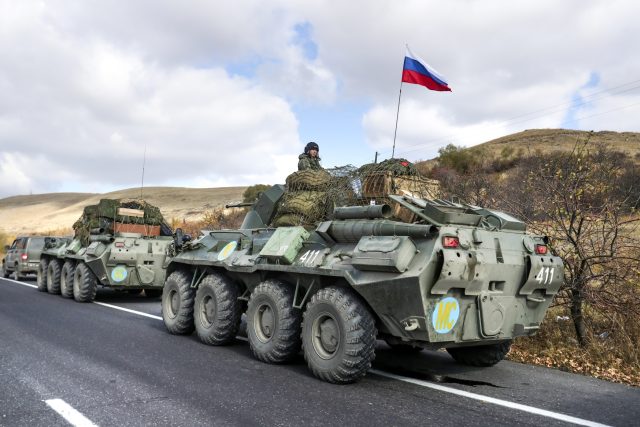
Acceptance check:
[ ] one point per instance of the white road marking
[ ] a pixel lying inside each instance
(20, 283)
(480, 397)
(67, 412)
(487, 399)
(128, 310)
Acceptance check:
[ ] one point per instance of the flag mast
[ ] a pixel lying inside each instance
(395, 132)
(416, 71)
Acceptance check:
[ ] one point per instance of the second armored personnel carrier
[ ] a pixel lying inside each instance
(119, 244)
(417, 273)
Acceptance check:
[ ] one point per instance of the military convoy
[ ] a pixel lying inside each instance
(121, 245)
(416, 272)
(325, 265)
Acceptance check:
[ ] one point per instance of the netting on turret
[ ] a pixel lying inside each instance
(311, 195)
(121, 215)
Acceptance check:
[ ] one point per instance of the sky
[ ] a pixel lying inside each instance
(209, 93)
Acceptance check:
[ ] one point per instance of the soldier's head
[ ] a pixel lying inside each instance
(311, 149)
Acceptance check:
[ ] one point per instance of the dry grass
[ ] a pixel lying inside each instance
(534, 141)
(610, 355)
(47, 213)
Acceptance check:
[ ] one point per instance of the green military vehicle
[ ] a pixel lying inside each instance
(417, 273)
(23, 255)
(118, 244)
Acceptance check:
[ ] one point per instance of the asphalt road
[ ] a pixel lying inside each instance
(96, 364)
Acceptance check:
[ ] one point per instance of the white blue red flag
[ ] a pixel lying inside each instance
(417, 71)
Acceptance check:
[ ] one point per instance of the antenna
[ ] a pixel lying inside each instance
(144, 160)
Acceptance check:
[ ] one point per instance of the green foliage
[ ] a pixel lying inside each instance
(460, 159)
(252, 192)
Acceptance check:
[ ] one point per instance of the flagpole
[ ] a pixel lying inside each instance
(395, 132)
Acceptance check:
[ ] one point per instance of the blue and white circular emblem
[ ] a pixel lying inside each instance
(119, 274)
(228, 249)
(445, 315)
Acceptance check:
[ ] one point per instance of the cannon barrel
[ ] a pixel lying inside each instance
(101, 238)
(239, 205)
(98, 230)
(352, 231)
(362, 212)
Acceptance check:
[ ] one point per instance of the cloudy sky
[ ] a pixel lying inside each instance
(227, 93)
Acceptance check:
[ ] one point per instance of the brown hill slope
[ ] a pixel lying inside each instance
(547, 140)
(41, 213)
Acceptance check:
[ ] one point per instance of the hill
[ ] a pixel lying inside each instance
(548, 140)
(53, 212)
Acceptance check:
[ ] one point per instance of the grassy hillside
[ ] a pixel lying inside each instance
(56, 212)
(549, 140)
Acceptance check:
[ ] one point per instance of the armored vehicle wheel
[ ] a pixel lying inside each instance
(338, 336)
(273, 325)
(53, 276)
(152, 293)
(41, 275)
(217, 310)
(66, 279)
(177, 304)
(85, 284)
(481, 355)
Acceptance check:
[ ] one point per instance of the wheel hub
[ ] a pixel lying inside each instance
(264, 323)
(326, 336)
(208, 310)
(174, 303)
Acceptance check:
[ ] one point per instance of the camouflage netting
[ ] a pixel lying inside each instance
(105, 214)
(311, 195)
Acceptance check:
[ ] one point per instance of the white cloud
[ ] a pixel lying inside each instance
(211, 88)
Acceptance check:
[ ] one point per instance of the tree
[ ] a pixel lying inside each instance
(584, 200)
(252, 192)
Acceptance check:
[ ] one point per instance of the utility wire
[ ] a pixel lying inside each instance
(587, 99)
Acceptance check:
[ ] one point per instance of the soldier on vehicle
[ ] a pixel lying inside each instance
(309, 159)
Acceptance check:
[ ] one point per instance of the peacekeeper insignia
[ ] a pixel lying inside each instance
(228, 249)
(445, 315)
(119, 274)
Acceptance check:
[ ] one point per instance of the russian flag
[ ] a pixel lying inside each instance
(417, 71)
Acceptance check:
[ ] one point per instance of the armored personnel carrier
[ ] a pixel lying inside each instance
(119, 244)
(416, 272)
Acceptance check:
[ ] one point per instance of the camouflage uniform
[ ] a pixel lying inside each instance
(305, 161)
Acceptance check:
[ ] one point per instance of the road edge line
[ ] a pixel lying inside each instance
(69, 413)
(492, 400)
(474, 396)
(128, 310)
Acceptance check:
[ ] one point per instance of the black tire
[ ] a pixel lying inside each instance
(217, 310)
(66, 279)
(137, 291)
(41, 275)
(85, 284)
(177, 303)
(53, 276)
(273, 325)
(5, 272)
(338, 336)
(481, 355)
(152, 293)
